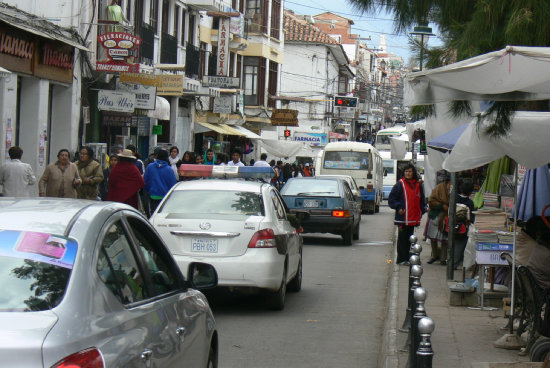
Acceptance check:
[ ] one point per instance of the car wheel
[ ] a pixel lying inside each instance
(540, 350)
(356, 231)
(348, 235)
(296, 284)
(276, 300)
(212, 359)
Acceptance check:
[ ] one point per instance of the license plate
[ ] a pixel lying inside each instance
(204, 245)
(311, 203)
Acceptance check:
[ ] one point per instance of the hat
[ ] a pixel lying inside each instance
(127, 153)
(307, 163)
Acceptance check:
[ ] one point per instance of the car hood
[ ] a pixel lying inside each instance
(22, 335)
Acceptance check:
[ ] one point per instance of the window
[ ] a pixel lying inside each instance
(258, 13)
(156, 259)
(165, 15)
(275, 18)
(314, 188)
(176, 21)
(117, 266)
(349, 194)
(183, 28)
(254, 81)
(273, 79)
(279, 208)
(347, 160)
(154, 15)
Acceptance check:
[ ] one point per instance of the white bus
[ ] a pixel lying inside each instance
(392, 169)
(382, 142)
(362, 162)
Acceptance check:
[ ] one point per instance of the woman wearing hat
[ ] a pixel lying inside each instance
(125, 180)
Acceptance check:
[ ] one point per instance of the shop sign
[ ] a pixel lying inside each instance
(15, 46)
(157, 129)
(284, 117)
(122, 51)
(143, 125)
(237, 25)
(121, 120)
(220, 81)
(145, 95)
(223, 47)
(53, 56)
(223, 104)
(170, 85)
(116, 101)
(314, 139)
(141, 78)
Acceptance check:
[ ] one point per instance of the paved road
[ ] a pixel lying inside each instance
(335, 321)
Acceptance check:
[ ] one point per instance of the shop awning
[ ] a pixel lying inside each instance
(161, 111)
(220, 128)
(232, 130)
(4, 72)
(247, 133)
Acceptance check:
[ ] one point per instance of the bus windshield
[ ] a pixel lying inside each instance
(347, 160)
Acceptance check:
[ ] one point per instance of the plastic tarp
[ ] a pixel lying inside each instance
(247, 133)
(514, 73)
(162, 109)
(526, 142)
(534, 193)
(279, 148)
(414, 126)
(446, 141)
(399, 147)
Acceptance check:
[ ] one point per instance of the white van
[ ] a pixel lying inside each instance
(362, 162)
(382, 142)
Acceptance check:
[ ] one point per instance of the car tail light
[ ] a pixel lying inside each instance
(340, 214)
(89, 358)
(263, 239)
(370, 187)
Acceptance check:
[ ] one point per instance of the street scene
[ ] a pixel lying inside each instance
(274, 183)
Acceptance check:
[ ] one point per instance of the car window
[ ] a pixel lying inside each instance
(348, 192)
(197, 203)
(311, 187)
(157, 261)
(279, 208)
(117, 266)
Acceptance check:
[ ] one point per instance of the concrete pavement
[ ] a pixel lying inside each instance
(463, 337)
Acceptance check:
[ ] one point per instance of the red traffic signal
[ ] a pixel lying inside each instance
(287, 133)
(343, 101)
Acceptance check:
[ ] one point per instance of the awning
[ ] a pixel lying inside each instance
(161, 111)
(221, 128)
(247, 133)
(4, 72)
(231, 130)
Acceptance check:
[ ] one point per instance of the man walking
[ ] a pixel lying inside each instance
(159, 179)
(16, 176)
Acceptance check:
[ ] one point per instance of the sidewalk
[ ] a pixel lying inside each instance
(461, 337)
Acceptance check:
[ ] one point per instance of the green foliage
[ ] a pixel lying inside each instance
(502, 112)
(460, 108)
(422, 111)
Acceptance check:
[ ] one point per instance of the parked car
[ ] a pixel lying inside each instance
(91, 284)
(330, 203)
(352, 184)
(240, 227)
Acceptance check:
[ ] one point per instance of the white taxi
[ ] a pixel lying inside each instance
(240, 227)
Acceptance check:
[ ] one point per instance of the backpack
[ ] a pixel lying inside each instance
(462, 221)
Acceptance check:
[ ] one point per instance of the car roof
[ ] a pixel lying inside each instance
(49, 215)
(220, 184)
(334, 176)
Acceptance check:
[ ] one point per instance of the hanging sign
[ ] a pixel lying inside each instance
(284, 117)
(121, 52)
(314, 139)
(223, 47)
(145, 95)
(223, 104)
(116, 101)
(157, 129)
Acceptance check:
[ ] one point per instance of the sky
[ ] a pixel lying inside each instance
(365, 25)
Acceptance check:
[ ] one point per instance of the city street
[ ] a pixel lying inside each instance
(336, 320)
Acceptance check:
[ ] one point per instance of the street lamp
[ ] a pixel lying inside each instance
(424, 33)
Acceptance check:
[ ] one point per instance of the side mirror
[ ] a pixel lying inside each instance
(202, 276)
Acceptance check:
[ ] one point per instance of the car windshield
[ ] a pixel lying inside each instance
(34, 269)
(311, 187)
(197, 203)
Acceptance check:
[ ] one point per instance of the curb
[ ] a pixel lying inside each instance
(388, 357)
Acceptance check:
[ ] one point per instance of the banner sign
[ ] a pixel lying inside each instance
(223, 104)
(145, 95)
(116, 101)
(121, 52)
(220, 81)
(223, 47)
(314, 139)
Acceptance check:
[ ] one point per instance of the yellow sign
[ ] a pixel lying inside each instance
(284, 117)
(171, 85)
(141, 78)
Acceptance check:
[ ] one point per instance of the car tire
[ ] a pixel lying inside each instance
(347, 237)
(276, 300)
(212, 359)
(296, 284)
(356, 231)
(540, 350)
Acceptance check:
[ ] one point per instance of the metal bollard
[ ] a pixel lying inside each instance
(414, 259)
(416, 273)
(425, 354)
(420, 296)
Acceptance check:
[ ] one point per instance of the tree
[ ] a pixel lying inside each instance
(469, 28)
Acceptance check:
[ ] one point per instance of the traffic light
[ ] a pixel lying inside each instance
(343, 101)
(287, 133)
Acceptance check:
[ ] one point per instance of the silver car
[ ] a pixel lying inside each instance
(91, 284)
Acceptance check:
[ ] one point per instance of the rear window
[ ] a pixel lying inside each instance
(197, 203)
(35, 269)
(388, 166)
(311, 187)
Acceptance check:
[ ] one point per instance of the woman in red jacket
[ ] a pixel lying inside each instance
(125, 180)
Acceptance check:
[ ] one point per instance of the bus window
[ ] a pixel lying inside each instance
(388, 166)
(347, 160)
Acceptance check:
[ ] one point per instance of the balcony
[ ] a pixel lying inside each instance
(192, 61)
(168, 49)
(207, 5)
(147, 49)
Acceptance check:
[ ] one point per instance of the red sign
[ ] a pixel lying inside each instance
(121, 52)
(223, 47)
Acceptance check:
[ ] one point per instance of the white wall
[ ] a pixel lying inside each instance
(63, 13)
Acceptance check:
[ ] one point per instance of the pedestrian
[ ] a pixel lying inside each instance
(209, 157)
(252, 162)
(287, 172)
(463, 198)
(152, 157)
(306, 170)
(263, 161)
(439, 209)
(174, 159)
(407, 199)
(236, 158)
(159, 179)
(16, 176)
(60, 179)
(139, 164)
(91, 174)
(199, 160)
(187, 159)
(221, 158)
(104, 186)
(125, 180)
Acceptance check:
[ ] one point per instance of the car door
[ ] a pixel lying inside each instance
(185, 336)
